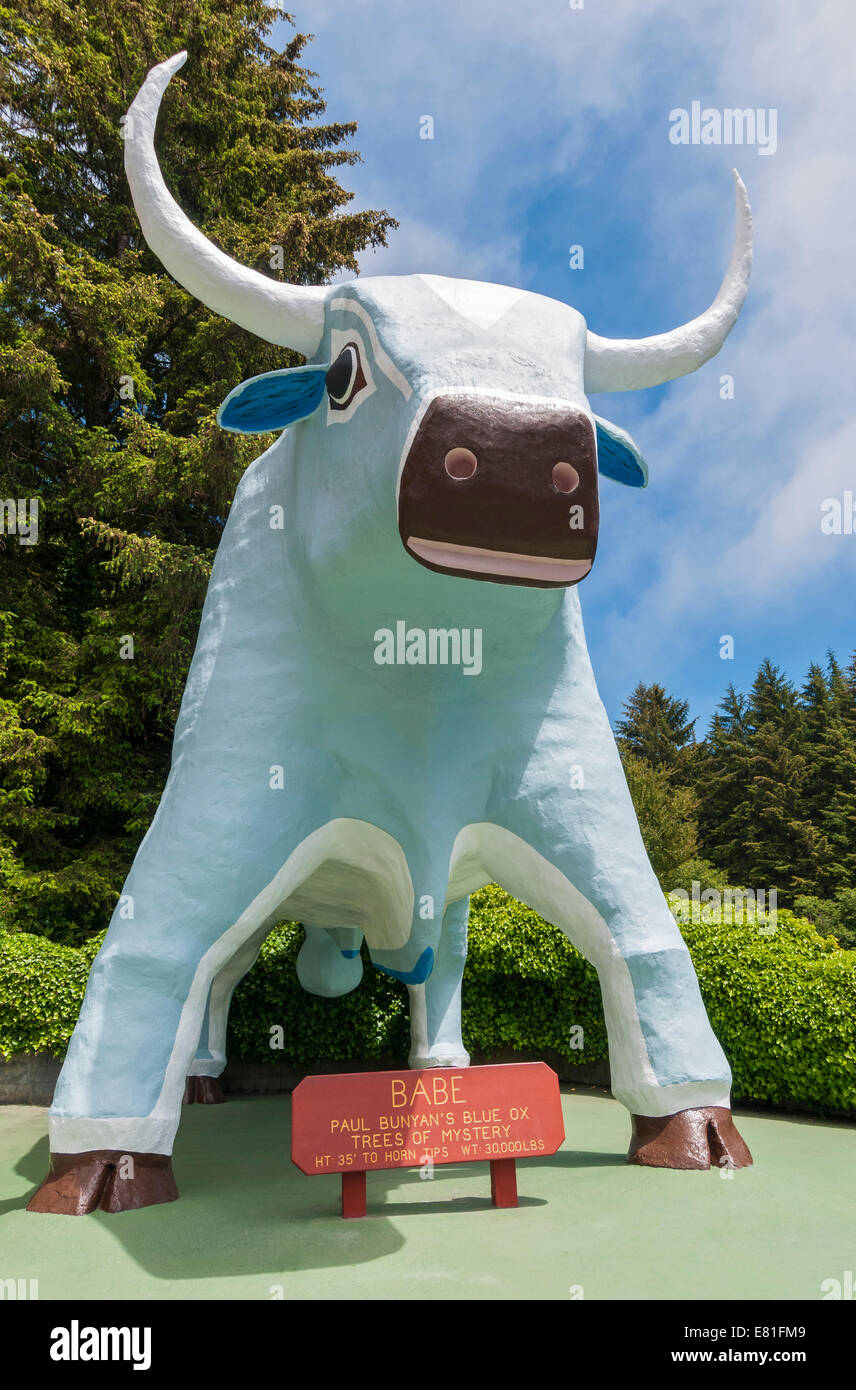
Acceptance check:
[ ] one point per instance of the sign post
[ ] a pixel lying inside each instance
(358, 1123)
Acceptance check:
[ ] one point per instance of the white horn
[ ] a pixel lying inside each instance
(629, 364)
(290, 315)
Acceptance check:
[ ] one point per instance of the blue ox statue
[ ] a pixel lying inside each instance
(370, 731)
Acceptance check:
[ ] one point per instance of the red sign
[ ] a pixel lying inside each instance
(366, 1121)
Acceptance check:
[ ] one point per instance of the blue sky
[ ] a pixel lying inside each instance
(551, 128)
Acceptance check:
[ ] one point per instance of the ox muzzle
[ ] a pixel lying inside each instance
(501, 490)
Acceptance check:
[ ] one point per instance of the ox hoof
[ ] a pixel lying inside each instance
(105, 1180)
(703, 1138)
(421, 1061)
(203, 1090)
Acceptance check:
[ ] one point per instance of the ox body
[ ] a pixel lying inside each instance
(438, 475)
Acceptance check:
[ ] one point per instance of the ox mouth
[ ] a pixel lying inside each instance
(546, 569)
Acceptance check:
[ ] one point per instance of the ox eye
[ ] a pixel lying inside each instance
(345, 377)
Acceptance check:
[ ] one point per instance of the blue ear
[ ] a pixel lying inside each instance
(273, 400)
(617, 456)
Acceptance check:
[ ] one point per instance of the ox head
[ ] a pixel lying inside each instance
(467, 402)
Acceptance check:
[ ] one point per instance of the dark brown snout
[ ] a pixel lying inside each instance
(504, 491)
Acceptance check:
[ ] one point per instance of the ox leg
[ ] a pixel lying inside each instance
(160, 982)
(576, 856)
(330, 967)
(666, 1065)
(118, 1100)
(435, 1006)
(202, 1085)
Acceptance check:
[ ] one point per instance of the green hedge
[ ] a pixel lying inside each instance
(784, 1009)
(782, 1004)
(41, 991)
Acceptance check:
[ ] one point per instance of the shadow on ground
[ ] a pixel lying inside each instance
(249, 1225)
(244, 1209)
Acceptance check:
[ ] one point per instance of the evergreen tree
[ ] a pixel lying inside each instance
(666, 814)
(778, 786)
(830, 792)
(655, 727)
(110, 375)
(850, 683)
(722, 780)
(843, 699)
(782, 847)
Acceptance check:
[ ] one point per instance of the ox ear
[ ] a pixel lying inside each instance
(273, 400)
(617, 455)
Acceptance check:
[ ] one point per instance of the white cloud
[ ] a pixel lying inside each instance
(421, 248)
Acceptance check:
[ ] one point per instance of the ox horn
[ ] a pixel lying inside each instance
(629, 364)
(290, 315)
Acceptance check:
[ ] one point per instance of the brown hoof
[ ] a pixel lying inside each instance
(701, 1138)
(203, 1090)
(105, 1180)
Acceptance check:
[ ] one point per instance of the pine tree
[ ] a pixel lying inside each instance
(773, 700)
(656, 741)
(722, 787)
(784, 849)
(780, 846)
(830, 792)
(842, 685)
(778, 791)
(655, 727)
(841, 696)
(110, 375)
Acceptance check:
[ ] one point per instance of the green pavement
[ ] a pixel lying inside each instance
(248, 1225)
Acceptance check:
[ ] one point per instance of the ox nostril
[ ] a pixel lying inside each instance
(460, 464)
(565, 477)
